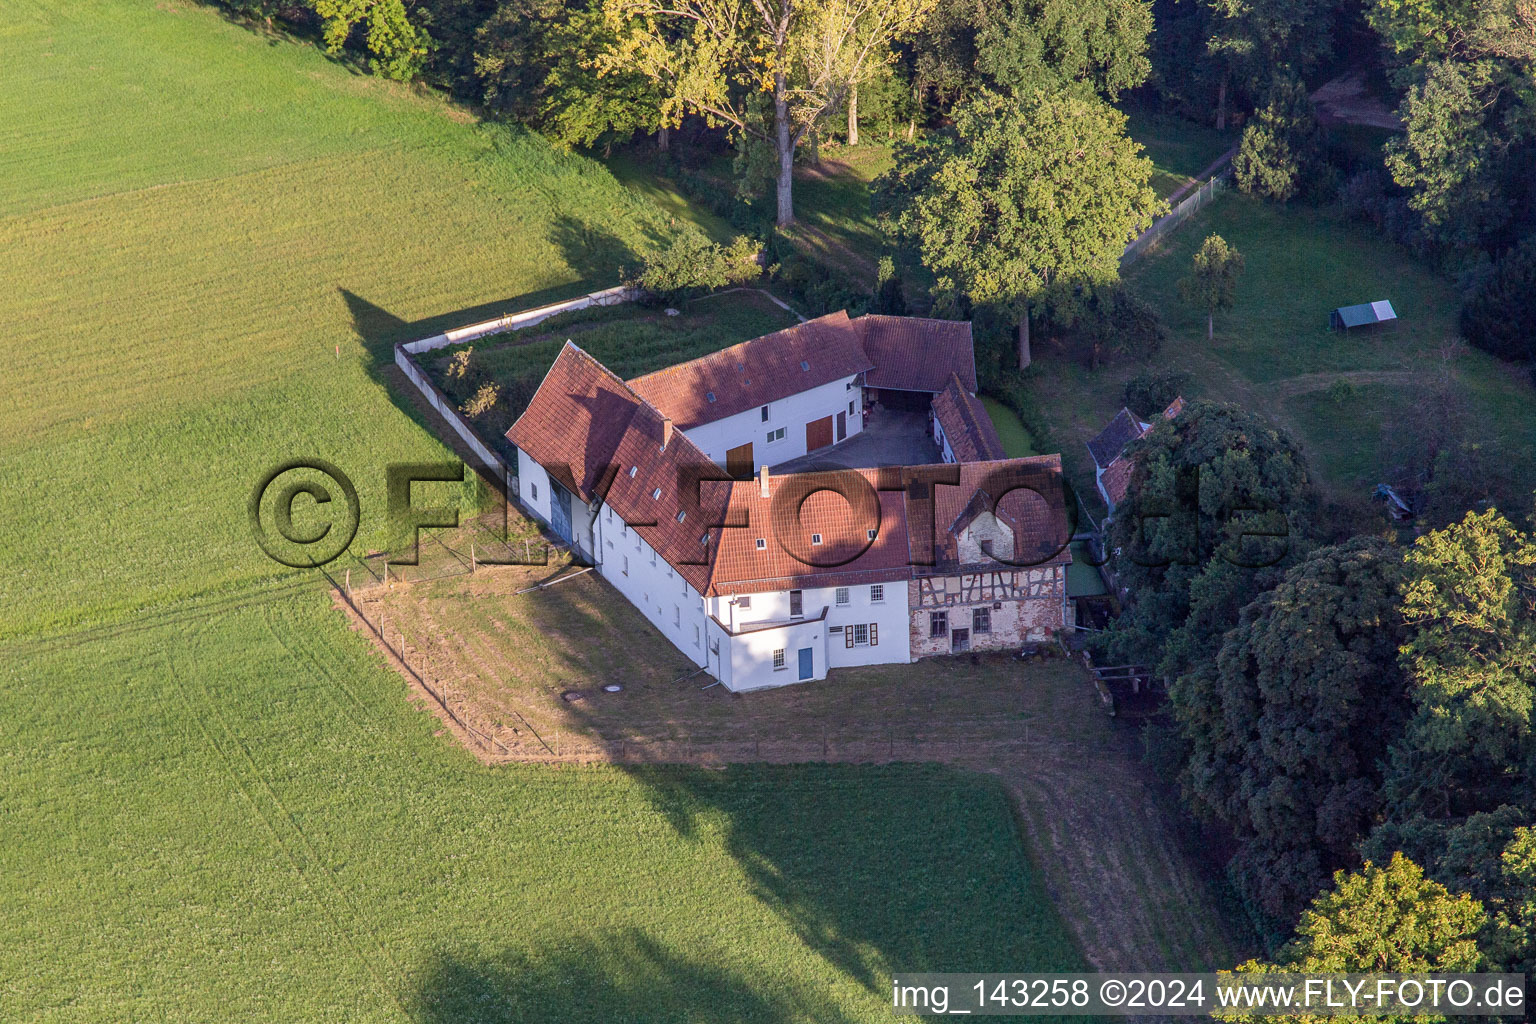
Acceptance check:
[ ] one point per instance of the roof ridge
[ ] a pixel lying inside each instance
(740, 345)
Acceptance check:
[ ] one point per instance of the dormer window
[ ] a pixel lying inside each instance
(815, 539)
(870, 534)
(762, 544)
(632, 471)
(656, 494)
(680, 516)
(709, 395)
(805, 365)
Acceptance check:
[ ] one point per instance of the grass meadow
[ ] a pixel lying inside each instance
(1273, 351)
(218, 802)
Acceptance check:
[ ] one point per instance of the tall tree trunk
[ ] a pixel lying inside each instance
(853, 116)
(786, 151)
(1210, 326)
(1221, 104)
(1024, 356)
(663, 138)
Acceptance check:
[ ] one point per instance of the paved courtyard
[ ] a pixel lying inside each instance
(891, 437)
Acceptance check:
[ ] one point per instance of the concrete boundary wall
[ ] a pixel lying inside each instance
(445, 407)
(524, 318)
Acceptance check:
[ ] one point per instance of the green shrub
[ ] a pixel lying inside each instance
(1151, 391)
(816, 287)
(459, 364)
(482, 402)
(1341, 391)
(693, 265)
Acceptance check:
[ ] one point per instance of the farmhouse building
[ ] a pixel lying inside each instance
(664, 483)
(1112, 468)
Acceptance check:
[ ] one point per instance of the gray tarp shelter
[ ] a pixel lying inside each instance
(1362, 315)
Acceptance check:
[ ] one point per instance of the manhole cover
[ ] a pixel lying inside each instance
(612, 688)
(571, 695)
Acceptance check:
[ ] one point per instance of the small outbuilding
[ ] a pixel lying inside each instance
(1363, 315)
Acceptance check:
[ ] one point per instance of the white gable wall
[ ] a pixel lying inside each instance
(792, 413)
(945, 450)
(532, 486)
(889, 617)
(752, 655)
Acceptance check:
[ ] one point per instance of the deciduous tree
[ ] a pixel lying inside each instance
(1385, 920)
(1212, 280)
(1282, 146)
(1021, 199)
(719, 58)
(1470, 598)
(1287, 734)
(397, 47)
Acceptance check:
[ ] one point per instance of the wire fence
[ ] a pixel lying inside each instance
(379, 627)
(1200, 198)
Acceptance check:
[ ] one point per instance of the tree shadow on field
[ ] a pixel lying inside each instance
(296, 25)
(624, 977)
(597, 254)
(869, 868)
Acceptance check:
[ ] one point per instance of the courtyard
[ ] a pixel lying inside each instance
(891, 437)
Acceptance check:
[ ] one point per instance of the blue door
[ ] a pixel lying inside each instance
(807, 667)
(560, 511)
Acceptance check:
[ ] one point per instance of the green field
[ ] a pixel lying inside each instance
(218, 803)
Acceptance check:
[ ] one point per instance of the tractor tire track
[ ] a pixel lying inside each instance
(305, 861)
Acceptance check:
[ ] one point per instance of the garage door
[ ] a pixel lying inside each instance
(818, 433)
(738, 462)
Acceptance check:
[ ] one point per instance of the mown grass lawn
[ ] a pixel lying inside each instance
(251, 822)
(1179, 149)
(218, 804)
(1273, 352)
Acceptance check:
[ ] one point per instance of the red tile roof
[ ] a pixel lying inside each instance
(667, 483)
(603, 440)
(575, 420)
(756, 372)
(966, 424)
(915, 354)
(1108, 443)
(910, 520)
(1115, 480)
(1026, 495)
(1115, 476)
(788, 559)
(588, 430)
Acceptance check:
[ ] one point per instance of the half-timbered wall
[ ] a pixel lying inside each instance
(1021, 605)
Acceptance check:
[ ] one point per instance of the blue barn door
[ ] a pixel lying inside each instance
(560, 511)
(807, 664)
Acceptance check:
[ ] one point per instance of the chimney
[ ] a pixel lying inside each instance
(666, 432)
(762, 483)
